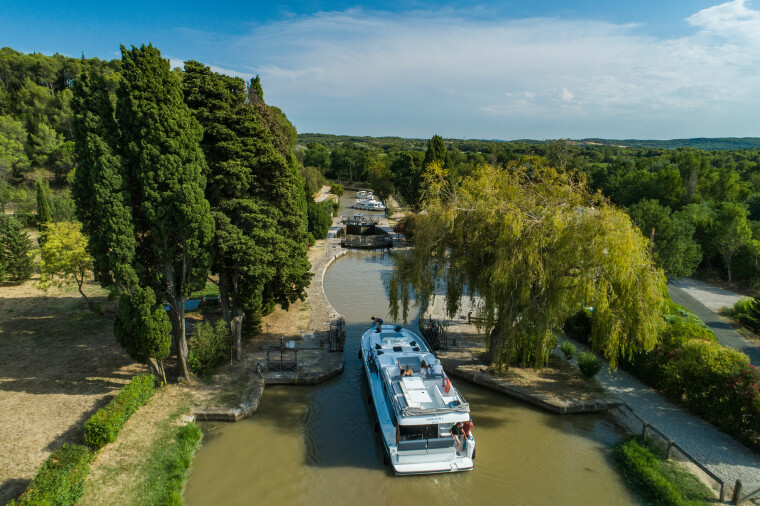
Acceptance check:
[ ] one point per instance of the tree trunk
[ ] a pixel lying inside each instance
(728, 267)
(493, 344)
(157, 368)
(177, 316)
(224, 297)
(90, 304)
(237, 332)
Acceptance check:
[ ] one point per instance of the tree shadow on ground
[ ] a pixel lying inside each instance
(11, 489)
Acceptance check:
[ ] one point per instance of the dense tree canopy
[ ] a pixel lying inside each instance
(164, 169)
(245, 178)
(536, 247)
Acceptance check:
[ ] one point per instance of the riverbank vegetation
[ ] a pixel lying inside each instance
(693, 370)
(657, 480)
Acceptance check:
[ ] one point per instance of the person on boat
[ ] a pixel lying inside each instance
(437, 368)
(467, 431)
(456, 433)
(405, 371)
(424, 369)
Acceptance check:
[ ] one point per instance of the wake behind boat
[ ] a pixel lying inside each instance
(415, 412)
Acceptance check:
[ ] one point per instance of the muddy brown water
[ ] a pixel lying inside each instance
(316, 445)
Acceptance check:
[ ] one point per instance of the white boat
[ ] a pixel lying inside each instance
(415, 413)
(369, 205)
(361, 194)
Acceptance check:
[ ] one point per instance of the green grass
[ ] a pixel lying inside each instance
(656, 480)
(167, 468)
(210, 290)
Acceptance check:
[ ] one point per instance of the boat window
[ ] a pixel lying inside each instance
(412, 432)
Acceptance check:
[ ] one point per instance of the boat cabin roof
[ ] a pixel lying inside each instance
(423, 393)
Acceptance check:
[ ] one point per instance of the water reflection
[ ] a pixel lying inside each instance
(316, 445)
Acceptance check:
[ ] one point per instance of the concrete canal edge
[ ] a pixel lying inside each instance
(548, 403)
(322, 365)
(249, 405)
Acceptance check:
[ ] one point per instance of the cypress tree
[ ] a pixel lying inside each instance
(164, 166)
(43, 208)
(246, 175)
(436, 152)
(17, 248)
(97, 188)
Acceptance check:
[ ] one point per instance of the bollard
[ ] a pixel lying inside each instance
(670, 449)
(737, 491)
(644, 431)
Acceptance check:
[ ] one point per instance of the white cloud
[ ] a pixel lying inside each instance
(421, 73)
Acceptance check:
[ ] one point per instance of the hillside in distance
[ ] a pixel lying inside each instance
(404, 144)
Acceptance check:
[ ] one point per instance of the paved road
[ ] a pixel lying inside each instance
(723, 330)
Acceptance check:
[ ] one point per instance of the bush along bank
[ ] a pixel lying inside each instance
(657, 480)
(693, 370)
(103, 427)
(60, 480)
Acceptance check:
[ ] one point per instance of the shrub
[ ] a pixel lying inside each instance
(642, 470)
(208, 346)
(337, 189)
(60, 480)
(568, 349)
(747, 312)
(103, 427)
(589, 364)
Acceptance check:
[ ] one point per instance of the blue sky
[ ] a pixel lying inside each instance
(494, 70)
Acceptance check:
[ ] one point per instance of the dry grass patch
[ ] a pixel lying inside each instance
(60, 363)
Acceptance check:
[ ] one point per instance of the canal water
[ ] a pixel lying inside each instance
(316, 444)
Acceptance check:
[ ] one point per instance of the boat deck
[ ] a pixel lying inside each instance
(422, 392)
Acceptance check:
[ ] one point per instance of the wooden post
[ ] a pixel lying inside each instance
(737, 492)
(670, 449)
(644, 431)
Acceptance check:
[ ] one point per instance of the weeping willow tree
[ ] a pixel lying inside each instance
(535, 247)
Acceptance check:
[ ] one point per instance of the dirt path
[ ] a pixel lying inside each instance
(59, 363)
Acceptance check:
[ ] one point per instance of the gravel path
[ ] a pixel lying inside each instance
(704, 300)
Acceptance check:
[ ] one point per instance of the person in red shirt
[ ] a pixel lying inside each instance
(466, 430)
(467, 427)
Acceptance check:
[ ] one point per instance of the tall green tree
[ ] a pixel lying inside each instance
(43, 208)
(17, 248)
(380, 178)
(241, 158)
(536, 247)
(672, 237)
(436, 152)
(732, 232)
(407, 169)
(164, 165)
(98, 188)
